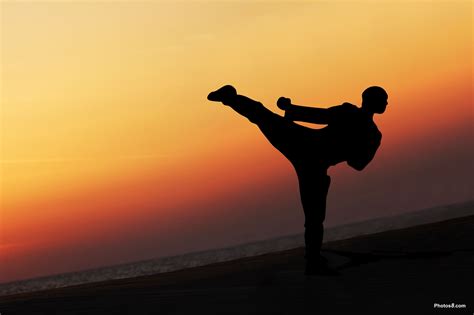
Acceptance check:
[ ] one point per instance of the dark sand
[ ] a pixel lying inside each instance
(397, 272)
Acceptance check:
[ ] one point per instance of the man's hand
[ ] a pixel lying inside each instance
(283, 103)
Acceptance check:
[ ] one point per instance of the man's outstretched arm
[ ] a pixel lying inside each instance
(313, 115)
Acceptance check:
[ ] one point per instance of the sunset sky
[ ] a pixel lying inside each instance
(110, 152)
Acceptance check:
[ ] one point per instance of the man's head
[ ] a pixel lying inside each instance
(374, 99)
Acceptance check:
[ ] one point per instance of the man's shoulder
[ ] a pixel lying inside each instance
(348, 105)
(344, 107)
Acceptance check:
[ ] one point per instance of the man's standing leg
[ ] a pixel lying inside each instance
(314, 187)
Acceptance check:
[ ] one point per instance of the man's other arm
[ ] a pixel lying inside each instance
(365, 156)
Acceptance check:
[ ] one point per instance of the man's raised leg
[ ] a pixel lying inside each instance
(253, 110)
(283, 134)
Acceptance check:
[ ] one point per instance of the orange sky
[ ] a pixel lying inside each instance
(107, 137)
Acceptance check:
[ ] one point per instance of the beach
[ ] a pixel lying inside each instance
(425, 269)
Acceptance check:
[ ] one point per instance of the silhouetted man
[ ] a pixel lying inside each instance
(350, 135)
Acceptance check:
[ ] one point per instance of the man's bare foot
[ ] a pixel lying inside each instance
(224, 94)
